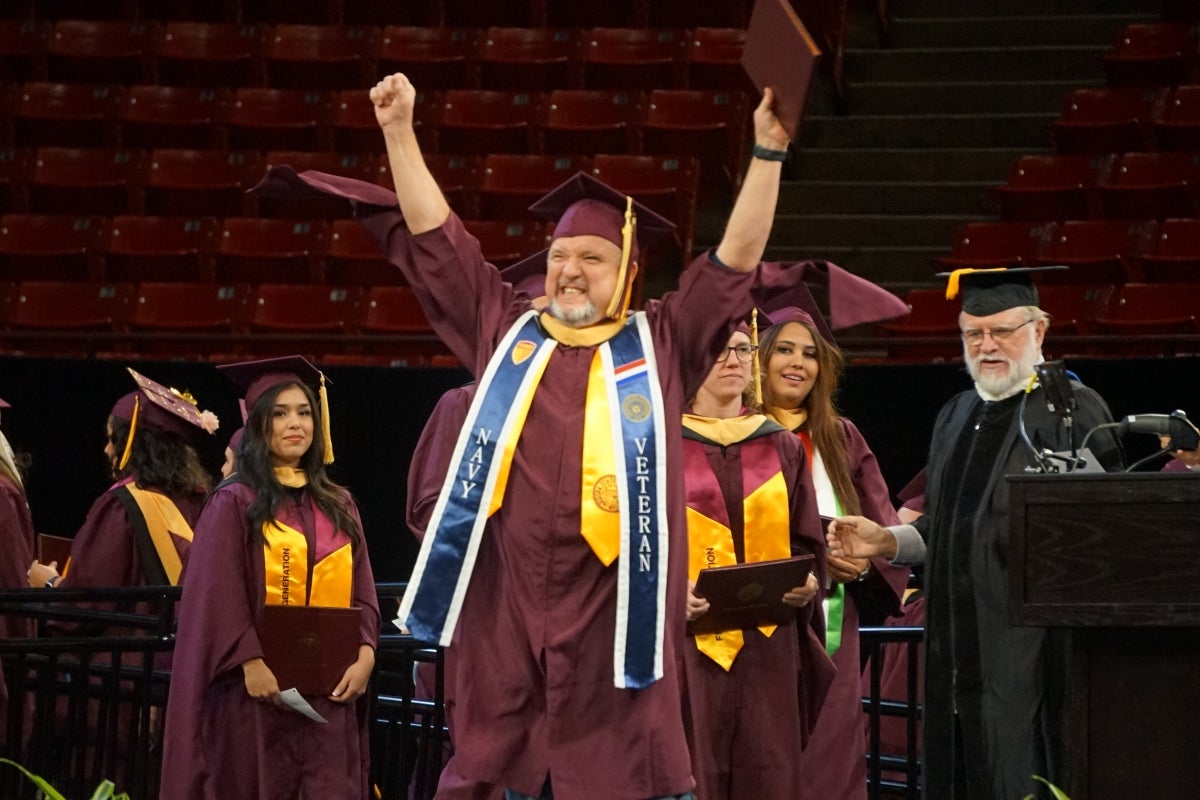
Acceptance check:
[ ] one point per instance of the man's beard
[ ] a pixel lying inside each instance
(576, 317)
(997, 386)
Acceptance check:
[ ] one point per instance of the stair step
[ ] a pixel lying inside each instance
(889, 164)
(976, 97)
(928, 130)
(1059, 63)
(1086, 29)
(863, 230)
(873, 197)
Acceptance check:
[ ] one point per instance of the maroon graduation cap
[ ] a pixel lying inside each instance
(254, 378)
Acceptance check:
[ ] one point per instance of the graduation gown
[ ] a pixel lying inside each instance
(17, 544)
(834, 763)
(218, 741)
(746, 726)
(994, 691)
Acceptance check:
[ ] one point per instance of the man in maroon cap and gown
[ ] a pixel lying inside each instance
(566, 679)
(751, 694)
(994, 691)
(227, 732)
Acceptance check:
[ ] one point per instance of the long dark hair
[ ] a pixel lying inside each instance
(822, 425)
(159, 460)
(256, 469)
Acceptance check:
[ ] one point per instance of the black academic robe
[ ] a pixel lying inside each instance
(994, 692)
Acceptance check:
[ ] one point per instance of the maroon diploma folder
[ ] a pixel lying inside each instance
(779, 53)
(749, 595)
(54, 548)
(309, 647)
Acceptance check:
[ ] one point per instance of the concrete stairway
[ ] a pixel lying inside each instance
(932, 123)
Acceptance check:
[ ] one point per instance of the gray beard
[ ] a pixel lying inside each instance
(577, 317)
(999, 387)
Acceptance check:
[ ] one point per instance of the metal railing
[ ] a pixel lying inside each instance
(893, 773)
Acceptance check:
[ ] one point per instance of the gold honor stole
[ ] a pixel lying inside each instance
(286, 562)
(162, 520)
(765, 509)
(623, 457)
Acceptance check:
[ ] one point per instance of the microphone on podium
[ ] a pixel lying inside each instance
(1176, 426)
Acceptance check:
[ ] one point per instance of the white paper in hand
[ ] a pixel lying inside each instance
(294, 700)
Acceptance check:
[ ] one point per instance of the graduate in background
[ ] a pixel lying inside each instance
(17, 546)
(278, 532)
(751, 696)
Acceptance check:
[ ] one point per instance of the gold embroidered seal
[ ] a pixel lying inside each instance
(604, 494)
(636, 407)
(522, 350)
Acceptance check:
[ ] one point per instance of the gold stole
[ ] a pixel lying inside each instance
(162, 520)
(285, 561)
(766, 528)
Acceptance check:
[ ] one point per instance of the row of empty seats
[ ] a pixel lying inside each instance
(641, 13)
(1120, 119)
(346, 57)
(1155, 54)
(1097, 251)
(66, 184)
(711, 126)
(1111, 186)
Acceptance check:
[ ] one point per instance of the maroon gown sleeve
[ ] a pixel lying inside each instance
(104, 552)
(17, 543)
(431, 456)
(886, 582)
(365, 596)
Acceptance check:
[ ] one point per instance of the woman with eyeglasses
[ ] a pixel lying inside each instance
(750, 695)
(802, 369)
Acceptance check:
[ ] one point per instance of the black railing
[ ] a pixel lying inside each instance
(87, 695)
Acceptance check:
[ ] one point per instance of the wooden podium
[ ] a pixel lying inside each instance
(1114, 558)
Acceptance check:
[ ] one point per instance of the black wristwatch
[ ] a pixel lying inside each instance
(52, 580)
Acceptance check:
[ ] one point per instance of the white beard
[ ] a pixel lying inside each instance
(575, 317)
(993, 386)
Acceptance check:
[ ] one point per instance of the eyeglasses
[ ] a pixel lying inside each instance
(744, 353)
(974, 336)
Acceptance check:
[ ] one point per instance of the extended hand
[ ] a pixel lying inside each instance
(768, 130)
(859, 537)
(39, 573)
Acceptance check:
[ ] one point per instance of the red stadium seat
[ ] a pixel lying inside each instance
(1175, 253)
(1107, 120)
(255, 250)
(278, 119)
(635, 58)
(65, 115)
(998, 244)
(49, 247)
(457, 176)
(23, 49)
(714, 60)
(394, 309)
(1155, 54)
(211, 54)
(84, 315)
(591, 121)
(1072, 308)
(354, 259)
(288, 311)
(86, 181)
(159, 249)
(1179, 126)
(201, 182)
(356, 131)
(15, 164)
(171, 116)
(1157, 185)
(1150, 308)
(483, 122)
(932, 323)
(708, 125)
(322, 57)
(433, 58)
(530, 59)
(1098, 251)
(166, 318)
(506, 242)
(351, 165)
(511, 183)
(666, 185)
(101, 51)
(1047, 188)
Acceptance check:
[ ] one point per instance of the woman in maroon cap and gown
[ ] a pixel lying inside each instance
(278, 532)
(802, 369)
(751, 696)
(17, 544)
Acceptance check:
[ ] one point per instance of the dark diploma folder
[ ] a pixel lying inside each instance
(54, 548)
(779, 53)
(749, 595)
(309, 647)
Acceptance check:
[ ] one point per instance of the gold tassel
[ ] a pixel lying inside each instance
(133, 418)
(756, 368)
(324, 395)
(956, 275)
(624, 292)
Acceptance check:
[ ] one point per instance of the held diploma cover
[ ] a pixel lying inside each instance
(308, 648)
(54, 548)
(749, 595)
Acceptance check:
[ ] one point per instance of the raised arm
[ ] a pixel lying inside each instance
(421, 200)
(749, 225)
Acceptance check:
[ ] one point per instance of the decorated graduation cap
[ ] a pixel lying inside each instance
(990, 291)
(155, 407)
(255, 378)
(584, 206)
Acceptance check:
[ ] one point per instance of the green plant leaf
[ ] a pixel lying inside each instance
(48, 790)
(104, 791)
(1058, 793)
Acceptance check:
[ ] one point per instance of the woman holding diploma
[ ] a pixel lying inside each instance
(750, 695)
(278, 532)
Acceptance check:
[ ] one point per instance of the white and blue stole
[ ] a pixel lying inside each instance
(478, 474)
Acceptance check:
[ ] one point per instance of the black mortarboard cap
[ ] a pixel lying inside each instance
(990, 291)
